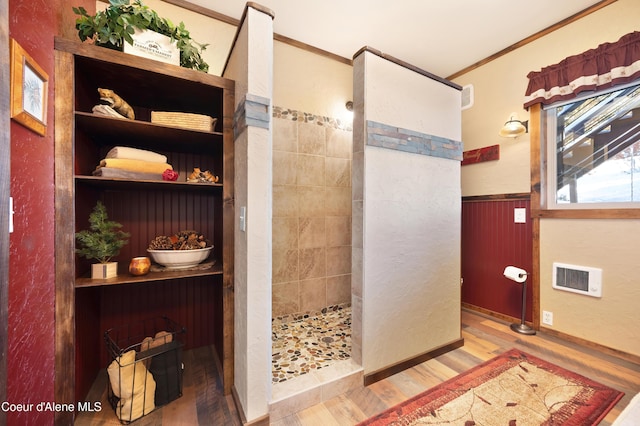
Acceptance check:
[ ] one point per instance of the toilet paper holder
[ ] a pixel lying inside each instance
(520, 276)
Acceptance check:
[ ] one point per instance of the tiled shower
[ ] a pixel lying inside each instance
(311, 278)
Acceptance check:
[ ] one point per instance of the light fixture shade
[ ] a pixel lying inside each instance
(512, 129)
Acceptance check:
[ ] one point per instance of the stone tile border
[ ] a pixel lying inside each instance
(396, 138)
(302, 315)
(253, 110)
(305, 117)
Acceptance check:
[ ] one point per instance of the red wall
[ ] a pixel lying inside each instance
(490, 242)
(30, 359)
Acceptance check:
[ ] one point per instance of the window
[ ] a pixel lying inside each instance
(593, 150)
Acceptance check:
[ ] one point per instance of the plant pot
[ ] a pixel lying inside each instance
(101, 271)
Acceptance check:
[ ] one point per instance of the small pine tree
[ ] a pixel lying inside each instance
(104, 239)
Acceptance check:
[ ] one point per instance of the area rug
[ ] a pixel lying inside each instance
(512, 389)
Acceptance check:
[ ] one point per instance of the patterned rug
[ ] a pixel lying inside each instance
(511, 389)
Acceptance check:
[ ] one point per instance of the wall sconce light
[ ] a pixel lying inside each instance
(514, 127)
(349, 105)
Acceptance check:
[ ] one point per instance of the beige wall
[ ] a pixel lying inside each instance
(311, 83)
(608, 244)
(204, 30)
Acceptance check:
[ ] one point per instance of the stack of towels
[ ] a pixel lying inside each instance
(132, 163)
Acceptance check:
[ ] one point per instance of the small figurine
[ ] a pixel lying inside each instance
(116, 102)
(202, 177)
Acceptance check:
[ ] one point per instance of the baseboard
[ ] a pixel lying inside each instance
(560, 335)
(411, 362)
(592, 345)
(260, 421)
(493, 314)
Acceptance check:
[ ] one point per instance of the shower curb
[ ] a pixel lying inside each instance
(310, 389)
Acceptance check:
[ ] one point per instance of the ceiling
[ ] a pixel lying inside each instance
(441, 37)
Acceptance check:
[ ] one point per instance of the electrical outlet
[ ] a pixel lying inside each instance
(547, 317)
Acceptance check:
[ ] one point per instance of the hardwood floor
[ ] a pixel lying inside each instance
(202, 402)
(484, 339)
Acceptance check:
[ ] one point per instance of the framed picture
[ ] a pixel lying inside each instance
(29, 90)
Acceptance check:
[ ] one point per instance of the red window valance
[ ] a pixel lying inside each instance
(605, 66)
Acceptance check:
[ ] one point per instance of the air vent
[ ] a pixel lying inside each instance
(577, 279)
(467, 96)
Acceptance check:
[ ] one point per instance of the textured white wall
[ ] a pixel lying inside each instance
(251, 66)
(409, 282)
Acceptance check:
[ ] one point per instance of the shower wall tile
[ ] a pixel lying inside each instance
(338, 289)
(285, 265)
(311, 139)
(356, 272)
(312, 240)
(339, 143)
(312, 263)
(357, 225)
(285, 135)
(285, 232)
(312, 232)
(313, 294)
(338, 231)
(285, 168)
(338, 201)
(357, 176)
(311, 202)
(338, 172)
(338, 260)
(356, 330)
(310, 170)
(285, 201)
(285, 298)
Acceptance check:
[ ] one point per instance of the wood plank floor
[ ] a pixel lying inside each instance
(202, 402)
(484, 339)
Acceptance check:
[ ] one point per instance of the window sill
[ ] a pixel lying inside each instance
(586, 213)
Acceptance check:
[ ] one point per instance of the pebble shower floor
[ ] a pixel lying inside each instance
(310, 341)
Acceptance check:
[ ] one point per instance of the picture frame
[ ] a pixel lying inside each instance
(29, 90)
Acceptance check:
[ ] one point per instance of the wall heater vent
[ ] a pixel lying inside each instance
(577, 279)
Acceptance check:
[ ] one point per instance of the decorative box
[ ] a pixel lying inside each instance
(152, 45)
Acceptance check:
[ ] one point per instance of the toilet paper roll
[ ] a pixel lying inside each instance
(516, 274)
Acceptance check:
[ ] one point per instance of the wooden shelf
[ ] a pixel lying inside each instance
(148, 135)
(115, 183)
(200, 300)
(82, 282)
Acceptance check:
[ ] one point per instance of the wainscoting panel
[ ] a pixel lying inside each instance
(491, 240)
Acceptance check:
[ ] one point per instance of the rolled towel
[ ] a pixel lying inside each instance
(135, 165)
(136, 154)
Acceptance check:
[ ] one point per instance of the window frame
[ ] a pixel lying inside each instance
(543, 201)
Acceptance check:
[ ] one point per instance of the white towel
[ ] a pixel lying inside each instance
(136, 154)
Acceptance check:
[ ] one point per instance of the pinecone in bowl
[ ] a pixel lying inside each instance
(161, 243)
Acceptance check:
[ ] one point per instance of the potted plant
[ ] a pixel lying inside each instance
(118, 22)
(101, 242)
